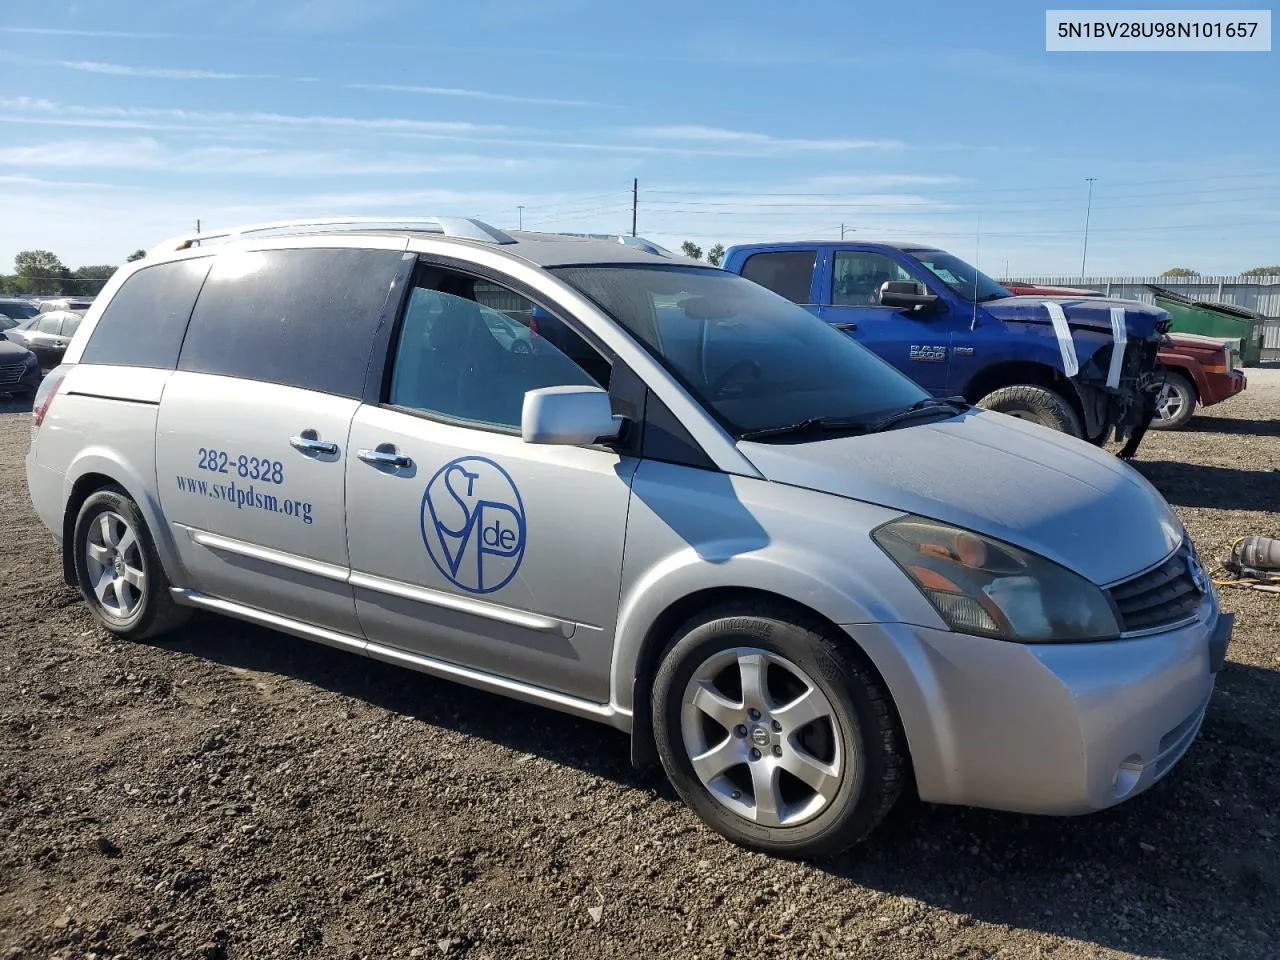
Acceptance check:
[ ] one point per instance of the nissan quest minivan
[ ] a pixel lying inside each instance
(596, 476)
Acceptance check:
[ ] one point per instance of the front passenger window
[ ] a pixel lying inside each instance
(459, 358)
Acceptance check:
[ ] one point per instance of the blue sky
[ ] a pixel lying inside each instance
(124, 121)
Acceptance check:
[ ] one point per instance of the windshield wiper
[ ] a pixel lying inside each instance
(811, 425)
(928, 405)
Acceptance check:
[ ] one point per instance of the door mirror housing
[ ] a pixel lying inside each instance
(568, 416)
(907, 293)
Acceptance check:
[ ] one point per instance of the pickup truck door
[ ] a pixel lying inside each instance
(918, 344)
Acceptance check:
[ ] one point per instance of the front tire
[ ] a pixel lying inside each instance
(775, 732)
(1176, 404)
(118, 569)
(1037, 405)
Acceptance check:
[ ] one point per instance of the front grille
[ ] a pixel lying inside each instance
(1162, 596)
(10, 373)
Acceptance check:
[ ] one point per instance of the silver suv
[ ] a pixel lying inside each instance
(603, 478)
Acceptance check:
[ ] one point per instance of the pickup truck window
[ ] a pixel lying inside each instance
(754, 360)
(858, 276)
(788, 273)
(966, 282)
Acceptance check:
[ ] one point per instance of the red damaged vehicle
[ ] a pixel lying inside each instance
(1199, 371)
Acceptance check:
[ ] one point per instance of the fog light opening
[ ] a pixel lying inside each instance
(1127, 776)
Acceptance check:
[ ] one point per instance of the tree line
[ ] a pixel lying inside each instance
(42, 273)
(1272, 271)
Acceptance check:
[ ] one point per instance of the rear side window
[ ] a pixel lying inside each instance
(301, 318)
(788, 273)
(143, 324)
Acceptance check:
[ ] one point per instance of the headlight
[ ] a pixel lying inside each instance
(980, 585)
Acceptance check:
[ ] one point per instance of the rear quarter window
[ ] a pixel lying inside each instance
(302, 318)
(143, 324)
(788, 273)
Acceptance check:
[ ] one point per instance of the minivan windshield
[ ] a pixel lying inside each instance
(966, 282)
(754, 359)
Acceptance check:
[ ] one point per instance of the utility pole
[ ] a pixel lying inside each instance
(842, 231)
(197, 224)
(1087, 210)
(520, 216)
(635, 202)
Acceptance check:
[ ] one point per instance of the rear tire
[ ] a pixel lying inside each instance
(118, 569)
(823, 713)
(1037, 405)
(1176, 404)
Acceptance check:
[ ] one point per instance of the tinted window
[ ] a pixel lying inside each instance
(18, 310)
(963, 280)
(753, 359)
(50, 323)
(71, 324)
(302, 318)
(788, 273)
(858, 275)
(143, 323)
(461, 359)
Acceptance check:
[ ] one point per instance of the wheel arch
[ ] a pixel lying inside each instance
(98, 468)
(662, 632)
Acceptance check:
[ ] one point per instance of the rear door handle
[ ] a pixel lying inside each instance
(386, 456)
(312, 445)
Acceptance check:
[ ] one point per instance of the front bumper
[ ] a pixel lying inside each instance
(1222, 386)
(1047, 728)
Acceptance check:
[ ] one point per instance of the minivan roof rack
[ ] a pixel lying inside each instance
(639, 242)
(463, 228)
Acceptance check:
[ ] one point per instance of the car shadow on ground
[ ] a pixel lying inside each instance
(1171, 873)
(1222, 488)
(1234, 426)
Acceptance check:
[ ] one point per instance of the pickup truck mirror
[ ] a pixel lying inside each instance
(906, 293)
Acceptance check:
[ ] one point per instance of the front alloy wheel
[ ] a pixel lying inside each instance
(776, 730)
(761, 737)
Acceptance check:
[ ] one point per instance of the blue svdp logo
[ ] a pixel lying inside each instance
(473, 524)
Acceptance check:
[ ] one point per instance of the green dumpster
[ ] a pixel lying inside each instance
(1212, 319)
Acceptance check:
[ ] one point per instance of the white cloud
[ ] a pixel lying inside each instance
(700, 134)
(472, 94)
(157, 73)
(95, 116)
(151, 155)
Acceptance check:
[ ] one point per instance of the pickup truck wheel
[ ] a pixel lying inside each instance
(1176, 403)
(1037, 405)
(776, 733)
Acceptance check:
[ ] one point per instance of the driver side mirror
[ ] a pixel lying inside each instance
(568, 416)
(906, 293)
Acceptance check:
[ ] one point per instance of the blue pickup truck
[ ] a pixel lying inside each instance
(1084, 366)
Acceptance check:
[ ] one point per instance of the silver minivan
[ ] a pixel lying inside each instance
(596, 476)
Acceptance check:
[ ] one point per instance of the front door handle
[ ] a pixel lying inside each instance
(386, 456)
(846, 326)
(309, 444)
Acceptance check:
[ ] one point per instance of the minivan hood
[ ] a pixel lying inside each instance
(1035, 488)
(1094, 312)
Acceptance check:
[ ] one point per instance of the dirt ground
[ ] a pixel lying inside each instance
(235, 793)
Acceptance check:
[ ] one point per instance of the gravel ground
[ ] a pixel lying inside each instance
(235, 793)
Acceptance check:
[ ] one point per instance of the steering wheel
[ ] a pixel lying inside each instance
(735, 371)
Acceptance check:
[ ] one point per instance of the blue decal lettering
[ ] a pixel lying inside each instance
(473, 524)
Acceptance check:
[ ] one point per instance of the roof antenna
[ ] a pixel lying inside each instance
(977, 250)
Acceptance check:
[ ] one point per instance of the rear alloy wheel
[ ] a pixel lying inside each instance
(779, 736)
(119, 572)
(1176, 403)
(1036, 405)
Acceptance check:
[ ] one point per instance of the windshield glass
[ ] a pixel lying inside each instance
(754, 359)
(964, 281)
